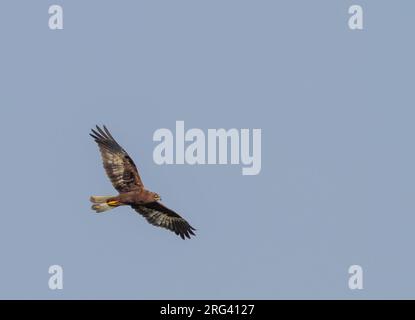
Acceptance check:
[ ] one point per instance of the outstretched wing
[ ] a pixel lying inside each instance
(118, 165)
(161, 216)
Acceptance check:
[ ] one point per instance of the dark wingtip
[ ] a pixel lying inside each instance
(187, 233)
(95, 135)
(93, 130)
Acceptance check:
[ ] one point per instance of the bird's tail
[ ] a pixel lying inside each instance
(101, 203)
(100, 199)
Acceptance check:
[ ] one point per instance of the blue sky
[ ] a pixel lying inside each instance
(335, 108)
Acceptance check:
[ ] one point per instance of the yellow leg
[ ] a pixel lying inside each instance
(113, 203)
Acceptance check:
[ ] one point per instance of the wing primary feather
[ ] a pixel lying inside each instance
(175, 229)
(161, 216)
(102, 133)
(108, 133)
(98, 135)
(93, 136)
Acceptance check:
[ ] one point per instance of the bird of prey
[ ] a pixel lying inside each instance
(124, 176)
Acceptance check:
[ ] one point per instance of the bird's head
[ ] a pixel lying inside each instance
(156, 197)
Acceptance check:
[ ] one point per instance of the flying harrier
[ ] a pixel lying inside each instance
(124, 176)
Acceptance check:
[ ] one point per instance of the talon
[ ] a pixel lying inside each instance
(113, 203)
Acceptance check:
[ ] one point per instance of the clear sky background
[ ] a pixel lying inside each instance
(336, 109)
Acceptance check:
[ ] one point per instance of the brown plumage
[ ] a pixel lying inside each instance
(124, 176)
